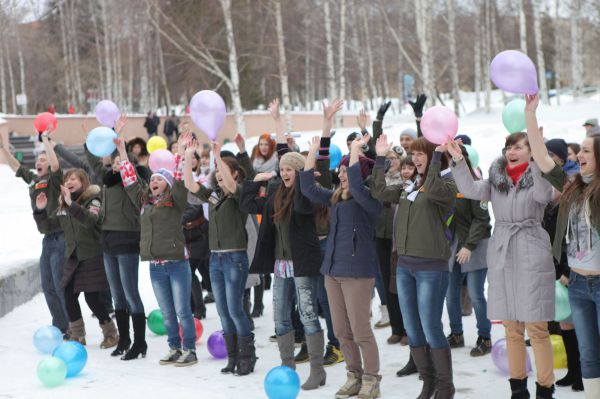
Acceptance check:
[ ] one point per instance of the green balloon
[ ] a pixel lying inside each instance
(513, 116)
(156, 323)
(562, 308)
(473, 156)
(52, 371)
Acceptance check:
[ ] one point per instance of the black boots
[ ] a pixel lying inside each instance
(122, 318)
(408, 369)
(231, 342)
(247, 355)
(442, 363)
(519, 389)
(257, 309)
(573, 377)
(543, 392)
(139, 346)
(421, 359)
(247, 305)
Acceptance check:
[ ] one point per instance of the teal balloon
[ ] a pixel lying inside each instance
(473, 156)
(74, 355)
(99, 141)
(513, 116)
(47, 338)
(335, 156)
(156, 323)
(52, 371)
(282, 383)
(562, 308)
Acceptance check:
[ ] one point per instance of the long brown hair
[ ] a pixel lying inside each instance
(272, 147)
(284, 201)
(234, 166)
(83, 178)
(578, 192)
(423, 145)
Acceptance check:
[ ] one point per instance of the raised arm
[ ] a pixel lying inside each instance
(243, 158)
(250, 200)
(52, 158)
(133, 187)
(417, 107)
(229, 183)
(279, 123)
(438, 190)
(310, 190)
(534, 133)
(477, 190)
(379, 188)
(10, 159)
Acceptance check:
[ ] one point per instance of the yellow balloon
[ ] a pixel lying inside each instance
(156, 143)
(558, 350)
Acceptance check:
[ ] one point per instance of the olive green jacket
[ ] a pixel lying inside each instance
(45, 184)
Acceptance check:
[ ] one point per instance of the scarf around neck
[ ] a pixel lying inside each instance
(516, 172)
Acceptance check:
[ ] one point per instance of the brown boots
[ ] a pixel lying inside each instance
(77, 331)
(111, 337)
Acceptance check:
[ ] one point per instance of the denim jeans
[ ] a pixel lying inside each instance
(228, 275)
(52, 262)
(172, 285)
(421, 296)
(323, 302)
(380, 288)
(305, 289)
(584, 297)
(122, 274)
(475, 283)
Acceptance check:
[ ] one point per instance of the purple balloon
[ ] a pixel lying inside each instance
(107, 113)
(216, 345)
(513, 71)
(207, 110)
(161, 159)
(500, 357)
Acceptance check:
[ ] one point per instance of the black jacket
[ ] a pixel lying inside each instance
(195, 231)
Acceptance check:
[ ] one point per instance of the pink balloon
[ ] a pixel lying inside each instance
(107, 113)
(438, 123)
(513, 71)
(500, 357)
(161, 159)
(207, 110)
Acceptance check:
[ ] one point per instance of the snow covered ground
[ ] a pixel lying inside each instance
(107, 377)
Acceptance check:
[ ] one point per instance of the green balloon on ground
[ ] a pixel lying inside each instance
(52, 371)
(513, 116)
(156, 323)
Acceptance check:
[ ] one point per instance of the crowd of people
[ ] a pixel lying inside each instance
(408, 221)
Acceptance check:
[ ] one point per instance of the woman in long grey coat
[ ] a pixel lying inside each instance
(520, 267)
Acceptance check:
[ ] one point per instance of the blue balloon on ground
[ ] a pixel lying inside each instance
(99, 141)
(47, 338)
(74, 355)
(335, 156)
(282, 383)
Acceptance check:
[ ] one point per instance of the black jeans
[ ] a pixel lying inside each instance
(384, 253)
(92, 299)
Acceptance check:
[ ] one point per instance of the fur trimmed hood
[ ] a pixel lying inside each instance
(500, 180)
(92, 191)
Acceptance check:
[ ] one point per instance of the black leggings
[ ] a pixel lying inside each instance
(93, 299)
(384, 253)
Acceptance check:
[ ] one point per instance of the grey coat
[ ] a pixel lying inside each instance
(520, 267)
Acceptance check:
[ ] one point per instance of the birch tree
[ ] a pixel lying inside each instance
(329, 51)
(99, 63)
(522, 26)
(372, 88)
(486, 57)
(422, 8)
(358, 55)
(21, 71)
(576, 56)
(557, 51)
(342, 52)
(3, 103)
(107, 58)
(283, 72)
(539, 51)
(11, 78)
(453, 58)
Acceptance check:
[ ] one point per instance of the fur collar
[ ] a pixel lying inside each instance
(91, 192)
(500, 180)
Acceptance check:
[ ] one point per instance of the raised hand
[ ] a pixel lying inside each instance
(66, 195)
(291, 142)
(358, 143)
(361, 120)
(418, 105)
(315, 145)
(120, 123)
(240, 142)
(216, 149)
(329, 110)
(274, 109)
(382, 146)
(183, 141)
(41, 201)
(191, 148)
(264, 176)
(454, 149)
(120, 143)
(382, 110)
(531, 102)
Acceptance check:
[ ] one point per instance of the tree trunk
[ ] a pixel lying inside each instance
(358, 56)
(65, 48)
(486, 56)
(283, 72)
(557, 51)
(522, 27)
(76, 65)
(342, 61)
(367, 45)
(109, 81)
(576, 59)
(308, 98)
(11, 79)
(477, 66)
(383, 64)
(144, 102)
(3, 103)
(329, 51)
(93, 13)
(539, 51)
(161, 64)
(21, 72)
(422, 8)
(234, 84)
(453, 58)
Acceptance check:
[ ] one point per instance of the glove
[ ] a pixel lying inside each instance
(382, 110)
(418, 105)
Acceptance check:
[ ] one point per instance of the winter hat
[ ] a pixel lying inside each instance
(225, 154)
(465, 139)
(409, 132)
(165, 174)
(559, 148)
(595, 131)
(366, 165)
(591, 122)
(353, 136)
(294, 160)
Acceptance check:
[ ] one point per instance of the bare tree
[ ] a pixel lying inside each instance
(367, 45)
(423, 8)
(11, 78)
(283, 72)
(539, 51)
(3, 103)
(329, 51)
(453, 58)
(557, 49)
(99, 62)
(161, 64)
(486, 55)
(522, 26)
(109, 81)
(576, 56)
(342, 52)
(358, 55)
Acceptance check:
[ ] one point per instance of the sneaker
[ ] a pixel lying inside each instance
(351, 387)
(332, 356)
(171, 357)
(302, 356)
(483, 347)
(456, 340)
(209, 298)
(187, 358)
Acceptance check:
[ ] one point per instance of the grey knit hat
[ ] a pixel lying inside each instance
(294, 160)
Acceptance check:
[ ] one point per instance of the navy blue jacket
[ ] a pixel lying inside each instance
(351, 250)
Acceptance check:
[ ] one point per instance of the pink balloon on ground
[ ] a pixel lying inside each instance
(438, 123)
(107, 113)
(161, 159)
(207, 110)
(513, 71)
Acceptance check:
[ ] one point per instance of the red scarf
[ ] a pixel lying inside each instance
(516, 172)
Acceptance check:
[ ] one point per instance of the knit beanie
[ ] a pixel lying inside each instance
(294, 160)
(366, 165)
(466, 140)
(165, 174)
(559, 148)
(409, 132)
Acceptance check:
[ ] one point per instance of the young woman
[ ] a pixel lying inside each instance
(520, 268)
(137, 147)
(472, 231)
(573, 150)
(408, 171)
(79, 213)
(161, 206)
(421, 238)
(53, 244)
(228, 260)
(578, 223)
(350, 266)
(264, 155)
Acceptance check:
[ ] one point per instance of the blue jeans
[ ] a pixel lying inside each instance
(584, 297)
(228, 275)
(122, 274)
(475, 283)
(305, 289)
(380, 289)
(172, 285)
(421, 296)
(323, 302)
(52, 262)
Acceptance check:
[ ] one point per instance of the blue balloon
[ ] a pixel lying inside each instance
(335, 156)
(282, 383)
(47, 338)
(100, 141)
(74, 355)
